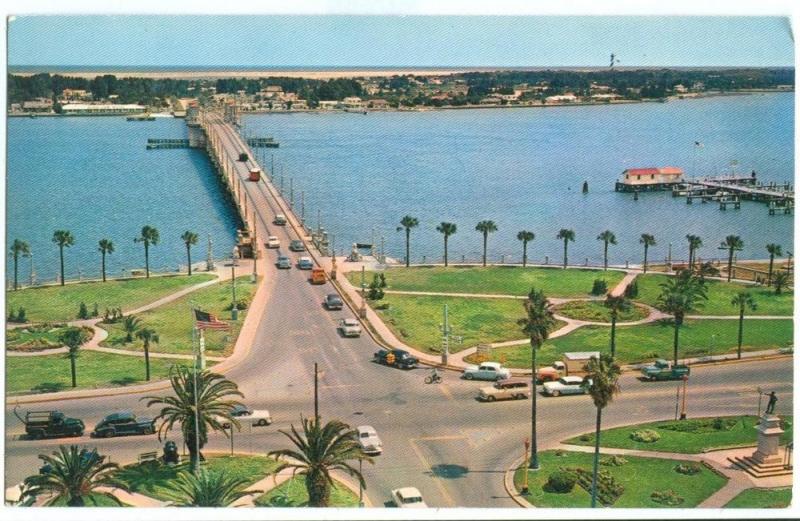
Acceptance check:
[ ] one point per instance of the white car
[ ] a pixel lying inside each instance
(350, 327)
(566, 385)
(273, 242)
(486, 371)
(252, 418)
(369, 440)
(408, 497)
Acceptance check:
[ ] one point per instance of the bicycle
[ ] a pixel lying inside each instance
(430, 379)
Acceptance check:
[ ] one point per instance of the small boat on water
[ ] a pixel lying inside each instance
(142, 117)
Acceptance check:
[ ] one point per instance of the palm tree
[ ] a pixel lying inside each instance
(446, 229)
(742, 300)
(616, 304)
(602, 375)
(64, 239)
(105, 246)
(189, 239)
(408, 222)
(780, 281)
(526, 237)
(210, 489)
(695, 243)
(320, 449)
(214, 406)
(73, 338)
(538, 322)
(566, 235)
(147, 335)
(131, 325)
(19, 249)
(607, 237)
(74, 475)
(485, 227)
(731, 243)
(774, 250)
(679, 295)
(647, 240)
(149, 236)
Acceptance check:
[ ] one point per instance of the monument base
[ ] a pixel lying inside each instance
(761, 470)
(767, 460)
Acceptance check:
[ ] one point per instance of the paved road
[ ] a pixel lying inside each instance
(436, 437)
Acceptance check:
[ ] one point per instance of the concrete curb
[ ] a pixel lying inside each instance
(511, 490)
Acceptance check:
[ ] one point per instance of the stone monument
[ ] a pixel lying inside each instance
(768, 458)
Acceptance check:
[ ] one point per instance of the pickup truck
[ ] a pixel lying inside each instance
(486, 371)
(50, 424)
(396, 358)
(664, 370)
(551, 373)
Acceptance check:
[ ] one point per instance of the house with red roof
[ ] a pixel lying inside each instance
(646, 179)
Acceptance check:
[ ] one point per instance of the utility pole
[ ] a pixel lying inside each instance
(303, 208)
(234, 310)
(363, 311)
(445, 328)
(316, 393)
(291, 192)
(33, 272)
(209, 258)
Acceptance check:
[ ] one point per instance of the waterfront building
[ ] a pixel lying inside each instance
(648, 179)
(328, 104)
(38, 105)
(379, 104)
(74, 109)
(562, 98)
(353, 102)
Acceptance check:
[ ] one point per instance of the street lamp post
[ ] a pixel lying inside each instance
(524, 490)
(445, 336)
(683, 404)
(360, 486)
(333, 257)
(234, 310)
(362, 312)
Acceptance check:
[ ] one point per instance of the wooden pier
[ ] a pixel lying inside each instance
(730, 191)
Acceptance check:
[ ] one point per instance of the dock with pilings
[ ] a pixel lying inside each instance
(730, 191)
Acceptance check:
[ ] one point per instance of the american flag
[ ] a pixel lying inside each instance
(203, 320)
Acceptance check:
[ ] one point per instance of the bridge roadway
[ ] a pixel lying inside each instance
(436, 437)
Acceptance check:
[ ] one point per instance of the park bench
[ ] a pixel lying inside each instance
(148, 456)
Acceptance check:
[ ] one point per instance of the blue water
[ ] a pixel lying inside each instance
(523, 168)
(94, 177)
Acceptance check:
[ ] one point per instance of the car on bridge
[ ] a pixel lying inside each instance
(408, 497)
(566, 385)
(297, 245)
(305, 263)
(511, 389)
(368, 439)
(349, 327)
(396, 358)
(272, 242)
(283, 262)
(486, 371)
(333, 301)
(123, 424)
(280, 220)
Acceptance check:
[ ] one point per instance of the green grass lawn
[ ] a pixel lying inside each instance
(647, 342)
(762, 498)
(38, 337)
(51, 373)
(292, 493)
(739, 432)
(639, 476)
(719, 297)
(495, 280)
(60, 304)
(173, 321)
(154, 479)
(596, 311)
(415, 320)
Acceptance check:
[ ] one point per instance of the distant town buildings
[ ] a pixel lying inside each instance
(101, 108)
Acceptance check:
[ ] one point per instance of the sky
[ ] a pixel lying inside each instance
(390, 41)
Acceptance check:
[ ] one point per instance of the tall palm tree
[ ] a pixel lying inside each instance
(607, 237)
(774, 250)
(446, 229)
(64, 239)
(616, 304)
(74, 475)
(320, 449)
(73, 338)
(647, 240)
(105, 247)
(526, 237)
(780, 281)
(215, 402)
(732, 243)
(149, 237)
(19, 249)
(407, 223)
(695, 243)
(680, 295)
(566, 235)
(742, 300)
(485, 227)
(147, 335)
(538, 322)
(131, 324)
(602, 375)
(210, 489)
(189, 239)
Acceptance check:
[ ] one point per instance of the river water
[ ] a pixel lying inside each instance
(522, 168)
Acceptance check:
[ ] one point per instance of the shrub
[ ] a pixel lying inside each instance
(383, 280)
(613, 461)
(700, 426)
(21, 318)
(382, 307)
(666, 497)
(608, 489)
(645, 436)
(95, 311)
(689, 469)
(632, 289)
(585, 437)
(83, 311)
(561, 481)
(599, 287)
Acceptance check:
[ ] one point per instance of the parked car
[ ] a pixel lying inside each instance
(122, 424)
(297, 245)
(305, 263)
(283, 262)
(368, 439)
(273, 242)
(565, 385)
(280, 220)
(396, 358)
(245, 416)
(50, 424)
(512, 389)
(664, 370)
(350, 327)
(551, 373)
(486, 371)
(408, 497)
(333, 301)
